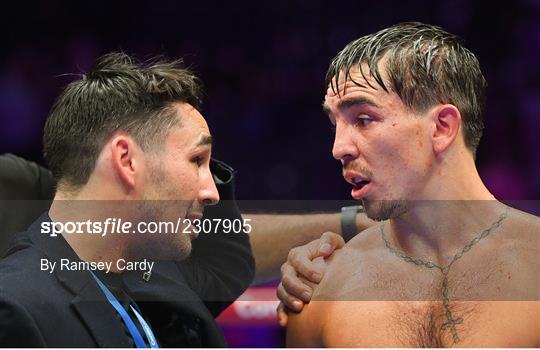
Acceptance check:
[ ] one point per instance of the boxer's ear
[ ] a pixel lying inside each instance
(447, 121)
(125, 154)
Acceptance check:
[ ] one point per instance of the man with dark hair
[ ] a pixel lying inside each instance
(126, 143)
(117, 94)
(143, 106)
(448, 264)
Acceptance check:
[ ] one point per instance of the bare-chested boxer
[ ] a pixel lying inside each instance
(448, 264)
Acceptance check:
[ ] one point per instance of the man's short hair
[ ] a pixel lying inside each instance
(425, 65)
(117, 94)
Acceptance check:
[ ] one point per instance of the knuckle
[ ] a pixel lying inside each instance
(284, 268)
(293, 253)
(279, 291)
(283, 296)
(286, 281)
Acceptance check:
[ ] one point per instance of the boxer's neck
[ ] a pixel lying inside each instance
(455, 207)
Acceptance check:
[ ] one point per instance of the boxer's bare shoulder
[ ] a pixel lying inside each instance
(505, 266)
(352, 269)
(337, 291)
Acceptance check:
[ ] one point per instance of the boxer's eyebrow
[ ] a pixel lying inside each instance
(349, 103)
(205, 140)
(356, 102)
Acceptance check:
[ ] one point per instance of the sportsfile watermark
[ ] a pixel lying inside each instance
(120, 226)
(479, 250)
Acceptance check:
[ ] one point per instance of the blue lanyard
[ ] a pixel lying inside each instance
(135, 334)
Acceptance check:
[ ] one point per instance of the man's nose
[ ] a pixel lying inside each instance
(209, 195)
(344, 147)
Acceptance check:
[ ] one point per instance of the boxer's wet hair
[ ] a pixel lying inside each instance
(425, 65)
(117, 94)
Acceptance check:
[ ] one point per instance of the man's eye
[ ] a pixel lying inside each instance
(197, 160)
(363, 121)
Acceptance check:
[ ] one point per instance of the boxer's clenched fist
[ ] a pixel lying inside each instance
(303, 270)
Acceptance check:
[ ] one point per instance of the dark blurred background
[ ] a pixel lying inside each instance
(263, 65)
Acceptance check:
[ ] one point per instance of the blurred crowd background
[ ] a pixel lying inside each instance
(263, 66)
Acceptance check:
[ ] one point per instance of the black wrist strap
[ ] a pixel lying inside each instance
(348, 221)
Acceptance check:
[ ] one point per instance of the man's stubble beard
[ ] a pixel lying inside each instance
(153, 208)
(380, 210)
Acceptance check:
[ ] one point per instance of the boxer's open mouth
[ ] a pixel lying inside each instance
(359, 189)
(359, 183)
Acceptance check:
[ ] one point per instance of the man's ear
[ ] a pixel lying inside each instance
(447, 120)
(124, 158)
